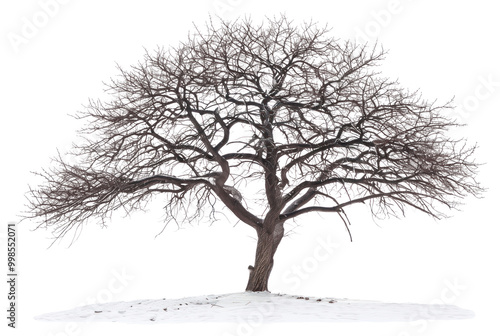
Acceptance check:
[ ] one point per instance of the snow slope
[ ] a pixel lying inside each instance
(257, 307)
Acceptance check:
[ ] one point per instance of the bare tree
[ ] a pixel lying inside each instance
(300, 117)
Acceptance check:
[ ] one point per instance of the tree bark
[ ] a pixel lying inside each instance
(267, 244)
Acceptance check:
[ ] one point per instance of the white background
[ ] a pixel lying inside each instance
(445, 48)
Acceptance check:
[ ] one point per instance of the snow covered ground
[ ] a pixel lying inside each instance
(258, 308)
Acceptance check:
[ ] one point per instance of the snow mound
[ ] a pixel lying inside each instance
(262, 307)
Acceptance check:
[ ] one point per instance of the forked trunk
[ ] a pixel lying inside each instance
(267, 243)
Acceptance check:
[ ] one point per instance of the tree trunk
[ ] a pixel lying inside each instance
(267, 244)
